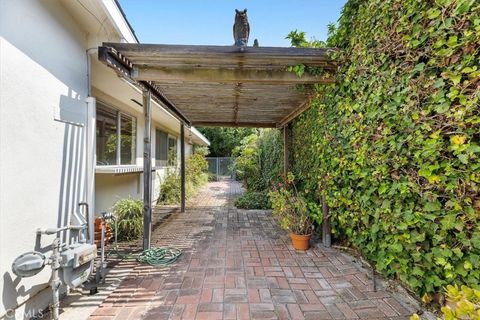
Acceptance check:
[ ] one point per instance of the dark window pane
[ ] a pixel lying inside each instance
(127, 139)
(161, 148)
(172, 151)
(106, 135)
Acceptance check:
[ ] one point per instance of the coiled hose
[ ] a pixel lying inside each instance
(153, 256)
(159, 256)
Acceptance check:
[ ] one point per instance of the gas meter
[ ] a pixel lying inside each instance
(71, 262)
(29, 264)
(75, 263)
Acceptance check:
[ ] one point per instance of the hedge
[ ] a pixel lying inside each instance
(394, 144)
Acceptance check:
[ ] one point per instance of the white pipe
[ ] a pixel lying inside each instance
(90, 147)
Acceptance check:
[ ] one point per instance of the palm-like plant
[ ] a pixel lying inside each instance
(129, 215)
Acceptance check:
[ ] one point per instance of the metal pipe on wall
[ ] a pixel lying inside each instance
(90, 144)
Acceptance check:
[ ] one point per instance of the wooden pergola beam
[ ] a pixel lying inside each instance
(122, 66)
(147, 170)
(295, 113)
(235, 124)
(200, 51)
(223, 75)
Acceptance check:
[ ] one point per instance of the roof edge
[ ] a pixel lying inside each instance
(119, 19)
(200, 135)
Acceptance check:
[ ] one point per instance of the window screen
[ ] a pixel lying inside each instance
(127, 139)
(172, 151)
(161, 148)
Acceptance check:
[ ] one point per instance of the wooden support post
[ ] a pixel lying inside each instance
(182, 167)
(147, 171)
(287, 145)
(326, 228)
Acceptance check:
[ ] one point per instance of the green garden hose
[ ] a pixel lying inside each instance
(159, 256)
(153, 256)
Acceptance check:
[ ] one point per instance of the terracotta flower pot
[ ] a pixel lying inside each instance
(98, 224)
(300, 242)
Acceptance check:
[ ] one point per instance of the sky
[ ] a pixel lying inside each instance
(209, 22)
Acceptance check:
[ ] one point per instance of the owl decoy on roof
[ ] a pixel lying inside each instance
(241, 28)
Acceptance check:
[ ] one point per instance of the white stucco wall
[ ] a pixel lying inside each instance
(43, 154)
(110, 188)
(43, 88)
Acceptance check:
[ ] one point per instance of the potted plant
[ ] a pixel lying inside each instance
(290, 209)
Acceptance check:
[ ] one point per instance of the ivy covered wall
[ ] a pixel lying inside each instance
(394, 145)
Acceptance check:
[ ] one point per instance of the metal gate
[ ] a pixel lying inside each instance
(221, 168)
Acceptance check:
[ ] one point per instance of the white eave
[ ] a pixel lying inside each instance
(200, 136)
(121, 24)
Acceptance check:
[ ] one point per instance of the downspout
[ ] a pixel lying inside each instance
(89, 69)
(90, 148)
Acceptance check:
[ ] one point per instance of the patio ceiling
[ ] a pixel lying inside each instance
(222, 85)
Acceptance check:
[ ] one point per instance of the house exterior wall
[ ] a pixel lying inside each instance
(110, 188)
(43, 86)
(47, 135)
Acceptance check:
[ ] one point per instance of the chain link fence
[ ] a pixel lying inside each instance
(221, 168)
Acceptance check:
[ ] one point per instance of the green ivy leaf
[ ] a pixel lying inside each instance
(432, 206)
(419, 67)
(468, 265)
(463, 7)
(452, 41)
(463, 158)
(433, 13)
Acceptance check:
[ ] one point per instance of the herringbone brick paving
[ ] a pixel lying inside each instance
(238, 264)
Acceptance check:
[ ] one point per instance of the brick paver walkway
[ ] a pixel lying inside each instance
(238, 264)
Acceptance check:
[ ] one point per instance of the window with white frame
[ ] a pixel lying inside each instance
(165, 149)
(116, 136)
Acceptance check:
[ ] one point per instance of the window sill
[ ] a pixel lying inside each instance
(125, 169)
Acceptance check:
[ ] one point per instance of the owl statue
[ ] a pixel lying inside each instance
(241, 28)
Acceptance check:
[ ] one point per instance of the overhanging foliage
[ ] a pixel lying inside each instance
(394, 145)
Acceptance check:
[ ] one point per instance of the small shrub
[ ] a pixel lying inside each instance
(253, 200)
(258, 160)
(462, 304)
(203, 150)
(129, 215)
(246, 163)
(196, 167)
(170, 189)
(290, 209)
(315, 212)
